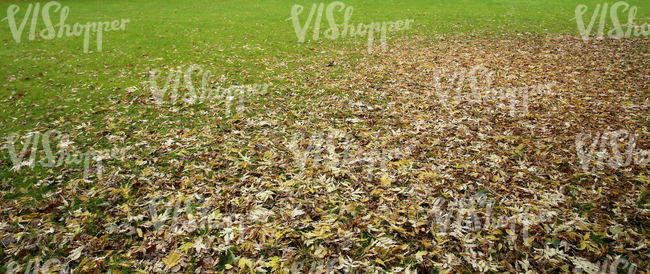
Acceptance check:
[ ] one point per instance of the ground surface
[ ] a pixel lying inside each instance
(348, 160)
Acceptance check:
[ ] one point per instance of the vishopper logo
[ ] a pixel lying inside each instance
(321, 267)
(182, 214)
(339, 152)
(34, 266)
(347, 29)
(196, 216)
(617, 32)
(177, 215)
(51, 265)
(49, 32)
(609, 153)
(67, 155)
(171, 89)
(618, 265)
(476, 213)
(474, 85)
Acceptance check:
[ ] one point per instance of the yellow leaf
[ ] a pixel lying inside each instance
(583, 245)
(173, 259)
(278, 235)
(379, 261)
(419, 255)
(385, 181)
(401, 163)
(273, 263)
(243, 262)
(186, 247)
(83, 261)
(440, 240)
(529, 240)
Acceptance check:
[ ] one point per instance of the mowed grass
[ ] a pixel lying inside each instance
(227, 37)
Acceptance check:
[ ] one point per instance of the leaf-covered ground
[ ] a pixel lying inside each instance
(362, 165)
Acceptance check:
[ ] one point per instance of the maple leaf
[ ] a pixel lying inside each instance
(244, 263)
(273, 263)
(172, 259)
(385, 181)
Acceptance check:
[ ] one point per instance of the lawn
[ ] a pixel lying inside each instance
(486, 137)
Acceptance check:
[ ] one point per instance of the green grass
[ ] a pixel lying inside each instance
(215, 34)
